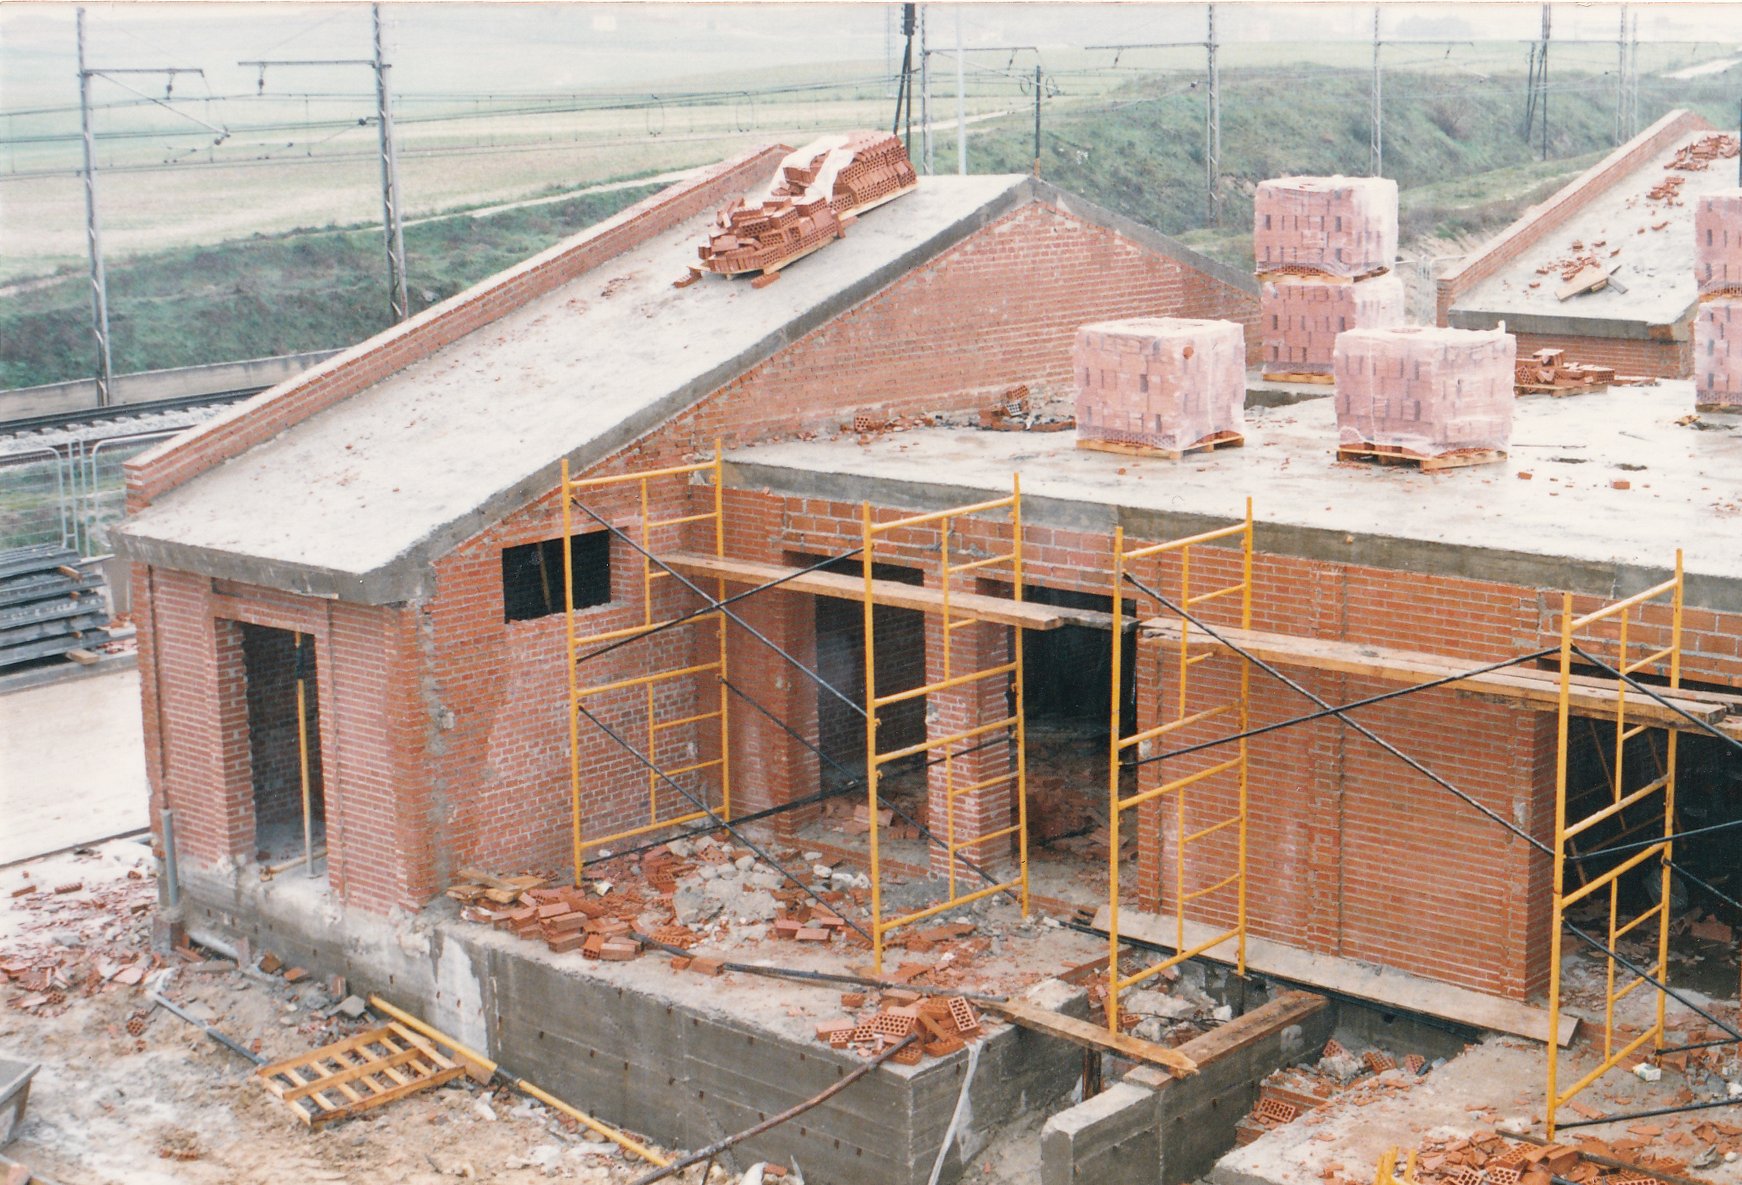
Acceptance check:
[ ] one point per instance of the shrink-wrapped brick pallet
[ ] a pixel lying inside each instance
(1300, 320)
(1718, 243)
(1436, 397)
(1160, 385)
(1718, 356)
(1340, 226)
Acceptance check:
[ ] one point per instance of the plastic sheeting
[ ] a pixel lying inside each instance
(1343, 226)
(1427, 390)
(1718, 354)
(1718, 242)
(1302, 318)
(1159, 382)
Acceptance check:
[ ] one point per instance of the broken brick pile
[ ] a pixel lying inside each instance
(1425, 391)
(43, 975)
(1491, 1158)
(1288, 1093)
(1310, 230)
(944, 1024)
(1301, 319)
(1159, 383)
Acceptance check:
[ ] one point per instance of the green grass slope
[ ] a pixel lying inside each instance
(251, 298)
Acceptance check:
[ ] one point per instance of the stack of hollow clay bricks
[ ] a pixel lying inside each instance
(1425, 392)
(1324, 248)
(1718, 327)
(1160, 386)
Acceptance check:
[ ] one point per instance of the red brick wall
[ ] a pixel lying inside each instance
(1542, 220)
(1659, 359)
(198, 758)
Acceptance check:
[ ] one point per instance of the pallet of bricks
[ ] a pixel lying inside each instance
(1718, 327)
(49, 605)
(1160, 386)
(1324, 248)
(1424, 397)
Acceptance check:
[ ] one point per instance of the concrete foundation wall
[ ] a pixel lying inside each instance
(645, 1048)
(1153, 1129)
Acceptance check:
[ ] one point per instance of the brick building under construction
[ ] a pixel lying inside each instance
(507, 550)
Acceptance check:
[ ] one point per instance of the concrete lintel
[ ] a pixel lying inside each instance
(1497, 564)
(1571, 324)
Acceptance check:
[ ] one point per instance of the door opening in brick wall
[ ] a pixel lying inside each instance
(278, 737)
(840, 651)
(1068, 683)
(1708, 793)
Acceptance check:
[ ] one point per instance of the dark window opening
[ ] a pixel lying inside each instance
(532, 576)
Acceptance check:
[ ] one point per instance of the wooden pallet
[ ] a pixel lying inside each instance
(1383, 454)
(1207, 444)
(1306, 275)
(1557, 390)
(1300, 376)
(358, 1074)
(1720, 408)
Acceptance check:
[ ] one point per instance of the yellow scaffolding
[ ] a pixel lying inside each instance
(1387, 1174)
(652, 680)
(1118, 803)
(1621, 797)
(952, 619)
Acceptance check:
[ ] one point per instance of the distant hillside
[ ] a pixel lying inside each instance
(250, 298)
(1143, 154)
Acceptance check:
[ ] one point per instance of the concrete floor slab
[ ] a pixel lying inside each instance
(1549, 516)
(1652, 242)
(72, 764)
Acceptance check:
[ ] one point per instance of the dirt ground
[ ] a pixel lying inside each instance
(169, 1105)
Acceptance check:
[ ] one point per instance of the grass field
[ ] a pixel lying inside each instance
(248, 298)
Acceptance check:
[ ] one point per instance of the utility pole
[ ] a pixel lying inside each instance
(1621, 134)
(925, 139)
(390, 212)
(398, 299)
(961, 103)
(93, 226)
(1037, 86)
(1378, 121)
(1212, 119)
(905, 91)
(1543, 77)
(93, 232)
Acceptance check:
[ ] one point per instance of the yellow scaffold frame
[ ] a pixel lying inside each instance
(1011, 561)
(1387, 1173)
(650, 573)
(1620, 799)
(1118, 804)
